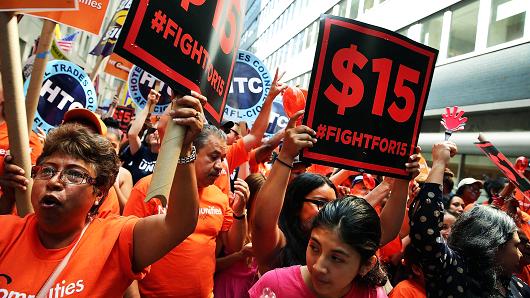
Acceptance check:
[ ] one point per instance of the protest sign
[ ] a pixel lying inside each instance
(65, 86)
(505, 166)
(250, 86)
(140, 83)
(38, 5)
(367, 95)
(124, 116)
(119, 67)
(167, 39)
(88, 18)
(107, 42)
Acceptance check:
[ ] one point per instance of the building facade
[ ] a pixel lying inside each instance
(483, 64)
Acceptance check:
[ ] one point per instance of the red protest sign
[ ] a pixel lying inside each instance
(166, 39)
(367, 94)
(124, 116)
(505, 166)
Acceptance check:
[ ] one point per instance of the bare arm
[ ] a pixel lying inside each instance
(393, 213)
(136, 126)
(123, 187)
(380, 192)
(253, 139)
(154, 236)
(341, 175)
(234, 239)
(269, 200)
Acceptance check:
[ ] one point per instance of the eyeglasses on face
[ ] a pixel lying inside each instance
(318, 203)
(68, 176)
(235, 132)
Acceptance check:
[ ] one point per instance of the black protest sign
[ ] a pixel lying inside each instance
(506, 167)
(188, 44)
(124, 116)
(367, 95)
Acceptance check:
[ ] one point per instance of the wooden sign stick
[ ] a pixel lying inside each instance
(15, 110)
(39, 66)
(167, 160)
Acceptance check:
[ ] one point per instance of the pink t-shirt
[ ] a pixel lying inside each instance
(288, 282)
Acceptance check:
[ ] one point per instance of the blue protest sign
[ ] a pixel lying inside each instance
(249, 88)
(65, 86)
(140, 83)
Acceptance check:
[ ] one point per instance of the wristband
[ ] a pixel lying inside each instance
(284, 163)
(190, 158)
(240, 217)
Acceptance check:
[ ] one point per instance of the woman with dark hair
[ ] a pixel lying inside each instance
(282, 216)
(455, 205)
(481, 253)
(340, 255)
(310, 188)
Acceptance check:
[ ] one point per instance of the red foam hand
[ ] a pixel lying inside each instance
(293, 100)
(369, 181)
(453, 121)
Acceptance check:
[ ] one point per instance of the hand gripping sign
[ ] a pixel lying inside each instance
(65, 86)
(188, 44)
(367, 95)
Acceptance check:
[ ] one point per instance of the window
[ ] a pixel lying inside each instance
(308, 35)
(353, 9)
(368, 4)
(506, 20)
(431, 31)
(463, 29)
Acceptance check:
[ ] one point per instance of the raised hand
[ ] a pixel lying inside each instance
(276, 87)
(297, 138)
(188, 112)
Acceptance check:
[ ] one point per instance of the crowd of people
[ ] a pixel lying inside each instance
(246, 218)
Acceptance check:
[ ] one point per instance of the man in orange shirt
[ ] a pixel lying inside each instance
(187, 271)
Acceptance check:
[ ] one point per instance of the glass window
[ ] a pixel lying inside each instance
(342, 8)
(463, 30)
(506, 21)
(353, 9)
(368, 4)
(308, 35)
(431, 31)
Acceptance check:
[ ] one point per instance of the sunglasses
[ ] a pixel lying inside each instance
(318, 203)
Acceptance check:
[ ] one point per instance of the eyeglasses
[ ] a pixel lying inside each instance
(318, 203)
(68, 176)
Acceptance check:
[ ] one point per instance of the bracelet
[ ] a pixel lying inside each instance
(240, 217)
(190, 158)
(284, 163)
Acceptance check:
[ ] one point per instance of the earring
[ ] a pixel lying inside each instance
(96, 203)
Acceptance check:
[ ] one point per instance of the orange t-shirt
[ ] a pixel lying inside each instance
(235, 156)
(100, 266)
(408, 289)
(110, 205)
(187, 270)
(256, 167)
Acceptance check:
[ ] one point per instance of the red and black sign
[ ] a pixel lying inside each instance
(367, 95)
(188, 44)
(506, 167)
(124, 116)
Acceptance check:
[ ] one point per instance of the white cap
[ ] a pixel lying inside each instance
(469, 181)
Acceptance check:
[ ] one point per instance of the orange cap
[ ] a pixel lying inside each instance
(86, 116)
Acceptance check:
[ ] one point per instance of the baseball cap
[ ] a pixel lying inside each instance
(469, 181)
(226, 126)
(87, 117)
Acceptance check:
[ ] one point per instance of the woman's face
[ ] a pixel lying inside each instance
(313, 202)
(60, 206)
(332, 264)
(457, 205)
(508, 256)
(471, 192)
(114, 140)
(448, 222)
(153, 140)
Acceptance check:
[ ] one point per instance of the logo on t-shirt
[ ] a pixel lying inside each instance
(62, 289)
(7, 277)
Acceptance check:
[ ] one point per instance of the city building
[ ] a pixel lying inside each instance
(483, 64)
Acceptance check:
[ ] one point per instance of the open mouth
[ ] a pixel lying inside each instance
(49, 201)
